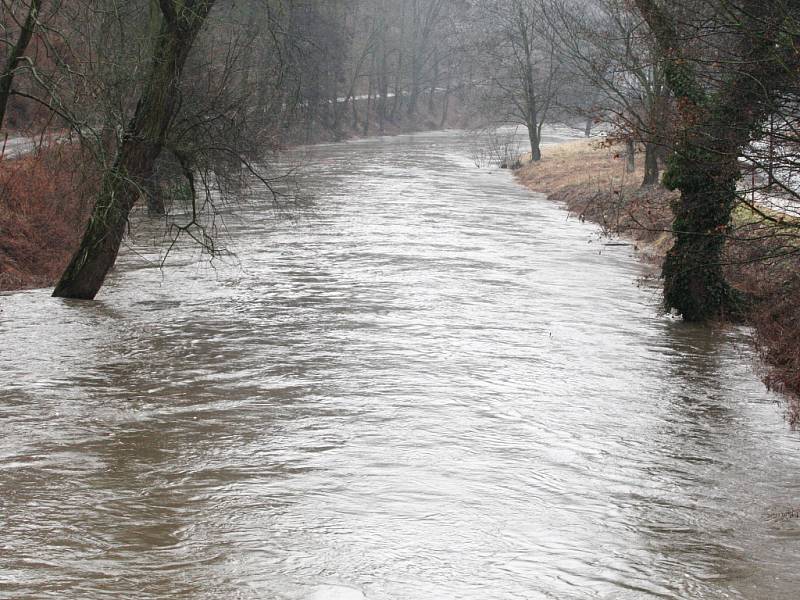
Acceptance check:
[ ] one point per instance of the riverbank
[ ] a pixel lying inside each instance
(592, 182)
(46, 196)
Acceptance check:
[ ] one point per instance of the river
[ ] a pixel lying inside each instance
(428, 384)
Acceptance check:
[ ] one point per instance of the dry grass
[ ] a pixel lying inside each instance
(579, 162)
(591, 180)
(44, 204)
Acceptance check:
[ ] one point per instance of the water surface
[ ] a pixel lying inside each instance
(431, 384)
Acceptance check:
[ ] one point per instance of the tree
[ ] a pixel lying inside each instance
(612, 50)
(724, 79)
(523, 69)
(142, 143)
(17, 53)
(426, 16)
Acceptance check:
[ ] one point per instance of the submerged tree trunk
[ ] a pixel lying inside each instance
(141, 144)
(651, 171)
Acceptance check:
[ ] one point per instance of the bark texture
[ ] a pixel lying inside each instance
(651, 170)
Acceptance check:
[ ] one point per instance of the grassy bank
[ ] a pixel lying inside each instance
(593, 184)
(762, 258)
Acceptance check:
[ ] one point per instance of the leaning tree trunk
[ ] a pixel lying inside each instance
(142, 142)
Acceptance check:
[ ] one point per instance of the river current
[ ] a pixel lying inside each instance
(428, 384)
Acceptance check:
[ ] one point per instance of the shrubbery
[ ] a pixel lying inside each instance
(45, 199)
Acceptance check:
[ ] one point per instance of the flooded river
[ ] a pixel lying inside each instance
(431, 385)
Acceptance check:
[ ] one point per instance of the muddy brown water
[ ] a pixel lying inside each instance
(430, 385)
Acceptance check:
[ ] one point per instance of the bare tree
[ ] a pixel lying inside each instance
(522, 75)
(142, 143)
(16, 54)
(611, 49)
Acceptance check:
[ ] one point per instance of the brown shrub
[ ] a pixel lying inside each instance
(777, 324)
(45, 199)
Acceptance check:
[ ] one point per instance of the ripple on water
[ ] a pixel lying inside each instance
(433, 384)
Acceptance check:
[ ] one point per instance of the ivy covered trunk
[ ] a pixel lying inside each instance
(141, 145)
(694, 281)
(716, 123)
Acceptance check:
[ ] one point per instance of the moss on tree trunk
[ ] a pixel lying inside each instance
(694, 282)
